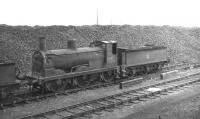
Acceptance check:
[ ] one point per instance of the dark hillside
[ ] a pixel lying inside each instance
(17, 43)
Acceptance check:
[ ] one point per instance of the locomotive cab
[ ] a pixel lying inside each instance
(110, 51)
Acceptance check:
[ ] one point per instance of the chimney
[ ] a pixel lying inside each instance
(71, 44)
(42, 44)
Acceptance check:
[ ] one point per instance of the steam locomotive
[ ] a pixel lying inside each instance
(61, 69)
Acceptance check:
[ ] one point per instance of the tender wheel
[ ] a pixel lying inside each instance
(82, 81)
(129, 72)
(3, 94)
(155, 67)
(143, 70)
(107, 76)
(55, 86)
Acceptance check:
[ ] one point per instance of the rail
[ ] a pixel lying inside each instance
(113, 101)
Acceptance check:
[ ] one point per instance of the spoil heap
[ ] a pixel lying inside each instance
(17, 43)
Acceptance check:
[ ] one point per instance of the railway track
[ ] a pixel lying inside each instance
(108, 103)
(180, 66)
(29, 99)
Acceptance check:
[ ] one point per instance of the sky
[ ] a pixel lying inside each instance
(110, 12)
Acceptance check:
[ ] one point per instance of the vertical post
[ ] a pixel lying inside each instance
(42, 44)
(71, 44)
(97, 18)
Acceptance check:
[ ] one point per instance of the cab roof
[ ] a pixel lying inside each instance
(106, 42)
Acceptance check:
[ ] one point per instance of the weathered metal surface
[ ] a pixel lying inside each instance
(140, 57)
(111, 54)
(74, 74)
(45, 63)
(93, 58)
(7, 73)
(70, 51)
(71, 44)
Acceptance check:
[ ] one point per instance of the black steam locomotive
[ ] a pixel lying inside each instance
(61, 69)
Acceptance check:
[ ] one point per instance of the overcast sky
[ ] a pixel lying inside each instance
(116, 12)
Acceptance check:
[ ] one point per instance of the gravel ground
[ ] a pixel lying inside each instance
(182, 104)
(52, 103)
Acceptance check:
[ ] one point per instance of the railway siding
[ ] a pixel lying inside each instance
(129, 97)
(126, 83)
(28, 100)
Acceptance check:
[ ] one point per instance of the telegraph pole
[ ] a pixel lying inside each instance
(97, 18)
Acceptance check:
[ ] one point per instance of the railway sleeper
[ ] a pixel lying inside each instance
(87, 112)
(125, 101)
(143, 96)
(111, 101)
(85, 116)
(76, 110)
(53, 116)
(143, 99)
(170, 91)
(65, 113)
(122, 97)
(103, 103)
(59, 115)
(150, 95)
(118, 106)
(82, 108)
(85, 108)
(95, 105)
(165, 90)
(134, 101)
(164, 93)
(177, 89)
(109, 109)
(133, 94)
(171, 88)
(142, 92)
(98, 113)
(41, 117)
(127, 104)
(153, 97)
(127, 95)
